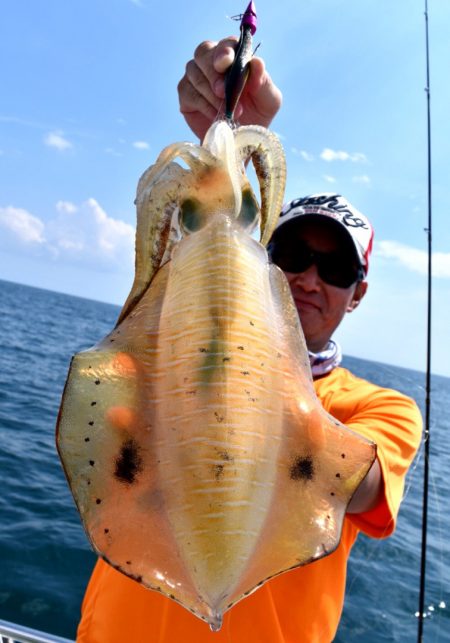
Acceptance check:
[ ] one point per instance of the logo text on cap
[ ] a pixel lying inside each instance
(331, 203)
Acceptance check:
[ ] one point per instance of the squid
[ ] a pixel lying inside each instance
(199, 457)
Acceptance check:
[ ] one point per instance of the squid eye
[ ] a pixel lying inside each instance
(249, 214)
(190, 216)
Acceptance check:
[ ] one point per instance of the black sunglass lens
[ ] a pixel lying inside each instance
(334, 268)
(291, 256)
(337, 270)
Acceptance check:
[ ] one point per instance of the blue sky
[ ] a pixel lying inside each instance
(89, 99)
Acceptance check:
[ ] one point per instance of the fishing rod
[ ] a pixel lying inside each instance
(428, 371)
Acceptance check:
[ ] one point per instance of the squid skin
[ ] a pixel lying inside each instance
(197, 452)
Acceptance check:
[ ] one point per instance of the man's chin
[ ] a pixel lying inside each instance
(309, 317)
(309, 324)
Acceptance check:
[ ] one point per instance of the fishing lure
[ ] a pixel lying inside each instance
(238, 73)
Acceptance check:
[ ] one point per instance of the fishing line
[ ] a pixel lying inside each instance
(428, 230)
(373, 554)
(376, 546)
(440, 542)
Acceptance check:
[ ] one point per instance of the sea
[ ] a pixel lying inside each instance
(45, 559)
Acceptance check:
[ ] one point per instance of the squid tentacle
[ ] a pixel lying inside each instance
(219, 140)
(156, 202)
(195, 157)
(158, 194)
(266, 152)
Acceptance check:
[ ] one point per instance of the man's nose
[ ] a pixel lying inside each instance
(309, 279)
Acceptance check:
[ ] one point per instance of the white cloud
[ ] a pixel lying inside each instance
(21, 121)
(141, 145)
(68, 244)
(112, 151)
(339, 155)
(363, 178)
(19, 225)
(66, 206)
(415, 259)
(113, 235)
(90, 235)
(83, 234)
(306, 156)
(56, 139)
(329, 179)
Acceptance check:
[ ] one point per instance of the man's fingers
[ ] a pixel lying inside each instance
(214, 58)
(202, 88)
(200, 84)
(257, 74)
(192, 101)
(224, 54)
(262, 92)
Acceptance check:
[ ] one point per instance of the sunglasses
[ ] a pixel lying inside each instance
(334, 268)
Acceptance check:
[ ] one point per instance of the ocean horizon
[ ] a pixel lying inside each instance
(118, 307)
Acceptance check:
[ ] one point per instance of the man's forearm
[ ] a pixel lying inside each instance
(368, 493)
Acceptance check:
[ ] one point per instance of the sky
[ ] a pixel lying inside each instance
(89, 99)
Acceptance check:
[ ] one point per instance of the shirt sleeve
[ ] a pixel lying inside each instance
(393, 421)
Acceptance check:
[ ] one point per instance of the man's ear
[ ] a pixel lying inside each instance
(358, 294)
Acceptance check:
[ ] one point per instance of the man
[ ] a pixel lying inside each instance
(323, 245)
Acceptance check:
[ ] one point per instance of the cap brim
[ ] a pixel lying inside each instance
(302, 219)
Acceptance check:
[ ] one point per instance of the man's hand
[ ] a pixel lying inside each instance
(201, 91)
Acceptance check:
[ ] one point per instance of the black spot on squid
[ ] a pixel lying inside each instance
(302, 468)
(128, 463)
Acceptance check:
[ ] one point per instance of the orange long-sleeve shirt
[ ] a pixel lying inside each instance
(303, 605)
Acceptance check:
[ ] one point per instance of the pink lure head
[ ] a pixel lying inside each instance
(249, 18)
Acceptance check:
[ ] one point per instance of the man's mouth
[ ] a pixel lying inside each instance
(306, 305)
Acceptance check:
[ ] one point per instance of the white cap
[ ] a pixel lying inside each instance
(334, 206)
